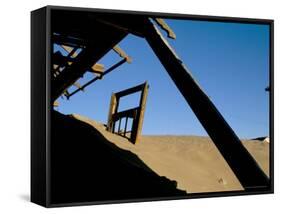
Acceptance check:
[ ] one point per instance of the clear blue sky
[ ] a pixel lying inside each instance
(230, 62)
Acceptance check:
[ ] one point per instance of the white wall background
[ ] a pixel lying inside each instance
(15, 106)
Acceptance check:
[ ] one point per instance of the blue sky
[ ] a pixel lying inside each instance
(230, 61)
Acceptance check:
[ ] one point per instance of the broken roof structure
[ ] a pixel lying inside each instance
(96, 33)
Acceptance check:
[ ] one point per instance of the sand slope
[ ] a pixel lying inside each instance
(85, 166)
(192, 161)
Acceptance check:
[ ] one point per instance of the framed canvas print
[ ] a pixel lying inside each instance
(133, 106)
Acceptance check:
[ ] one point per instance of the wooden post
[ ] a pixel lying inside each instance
(139, 118)
(112, 110)
(125, 129)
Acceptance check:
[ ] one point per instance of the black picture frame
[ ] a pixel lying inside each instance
(41, 103)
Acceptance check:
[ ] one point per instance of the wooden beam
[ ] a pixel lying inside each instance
(122, 53)
(98, 77)
(112, 110)
(137, 127)
(69, 49)
(166, 28)
(69, 41)
(77, 85)
(98, 67)
(239, 159)
(56, 103)
(130, 113)
(121, 23)
(55, 66)
(98, 70)
(130, 90)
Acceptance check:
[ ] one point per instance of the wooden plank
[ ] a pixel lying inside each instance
(166, 28)
(131, 113)
(77, 85)
(121, 23)
(239, 159)
(99, 77)
(97, 68)
(122, 53)
(69, 49)
(125, 128)
(56, 103)
(69, 41)
(130, 90)
(112, 110)
(139, 119)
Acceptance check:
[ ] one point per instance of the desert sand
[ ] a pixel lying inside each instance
(193, 162)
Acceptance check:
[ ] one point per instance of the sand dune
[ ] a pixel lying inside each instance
(85, 166)
(192, 161)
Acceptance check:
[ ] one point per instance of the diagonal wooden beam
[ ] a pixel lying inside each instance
(239, 159)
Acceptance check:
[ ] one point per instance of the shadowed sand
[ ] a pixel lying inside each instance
(192, 161)
(86, 166)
